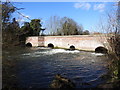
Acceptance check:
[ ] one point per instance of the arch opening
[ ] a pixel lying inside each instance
(50, 45)
(28, 45)
(72, 47)
(101, 50)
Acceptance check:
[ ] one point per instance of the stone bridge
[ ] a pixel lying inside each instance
(81, 42)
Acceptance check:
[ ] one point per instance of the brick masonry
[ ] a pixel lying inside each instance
(81, 42)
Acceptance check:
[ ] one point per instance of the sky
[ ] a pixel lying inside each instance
(87, 14)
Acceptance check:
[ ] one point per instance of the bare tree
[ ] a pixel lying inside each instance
(53, 24)
(112, 36)
(69, 27)
(63, 26)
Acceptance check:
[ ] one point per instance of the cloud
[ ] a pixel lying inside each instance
(85, 6)
(99, 7)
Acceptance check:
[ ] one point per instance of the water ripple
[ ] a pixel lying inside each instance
(39, 66)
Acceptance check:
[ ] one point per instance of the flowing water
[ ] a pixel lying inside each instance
(36, 67)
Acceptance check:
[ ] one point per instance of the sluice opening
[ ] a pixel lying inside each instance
(72, 47)
(50, 45)
(28, 45)
(101, 50)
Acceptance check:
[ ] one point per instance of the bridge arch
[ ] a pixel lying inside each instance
(50, 45)
(72, 47)
(28, 44)
(101, 49)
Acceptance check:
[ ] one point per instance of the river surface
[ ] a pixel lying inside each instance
(36, 67)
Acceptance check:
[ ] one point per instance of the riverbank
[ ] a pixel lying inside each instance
(9, 68)
(9, 79)
(112, 76)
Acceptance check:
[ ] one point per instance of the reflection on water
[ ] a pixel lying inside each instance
(36, 67)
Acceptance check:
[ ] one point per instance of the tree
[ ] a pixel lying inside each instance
(63, 26)
(36, 26)
(9, 29)
(7, 10)
(12, 34)
(15, 25)
(112, 28)
(69, 27)
(26, 29)
(54, 25)
(80, 29)
(86, 32)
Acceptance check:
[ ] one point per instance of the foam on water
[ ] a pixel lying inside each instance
(55, 51)
(49, 52)
(64, 51)
(98, 54)
(26, 54)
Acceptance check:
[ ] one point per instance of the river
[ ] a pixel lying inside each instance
(36, 67)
